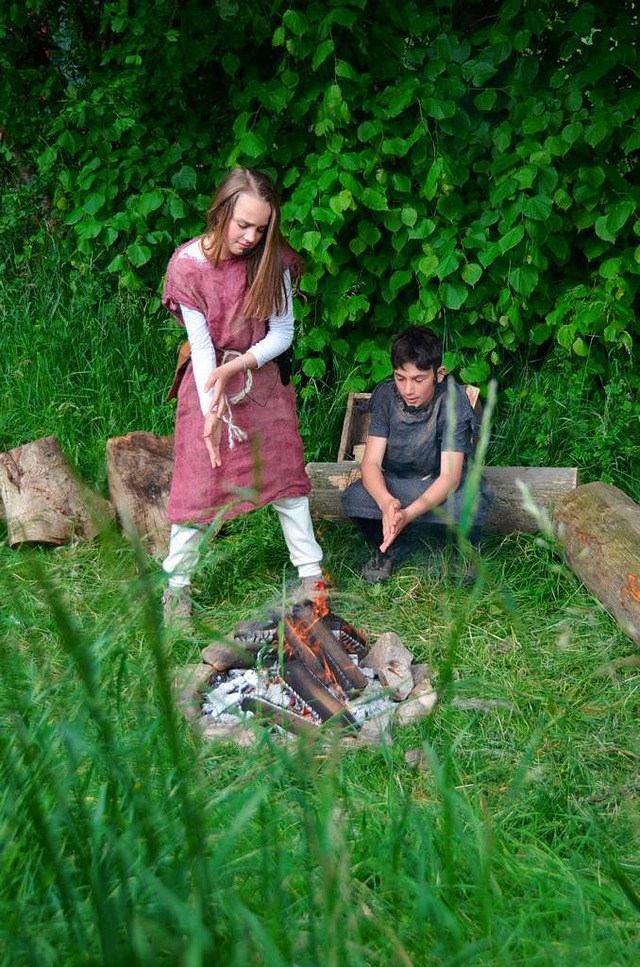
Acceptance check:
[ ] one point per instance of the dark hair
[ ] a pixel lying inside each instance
(417, 345)
(264, 262)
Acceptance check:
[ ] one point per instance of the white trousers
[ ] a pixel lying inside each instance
(297, 528)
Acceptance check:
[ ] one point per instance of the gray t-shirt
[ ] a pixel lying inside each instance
(416, 436)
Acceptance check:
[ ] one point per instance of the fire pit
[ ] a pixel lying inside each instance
(302, 669)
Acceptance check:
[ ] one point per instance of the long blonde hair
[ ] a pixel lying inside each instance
(265, 261)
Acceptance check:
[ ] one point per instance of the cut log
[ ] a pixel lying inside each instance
(506, 514)
(139, 468)
(44, 500)
(599, 526)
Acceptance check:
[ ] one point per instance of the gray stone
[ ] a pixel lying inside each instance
(424, 687)
(417, 759)
(188, 684)
(376, 730)
(420, 672)
(416, 709)
(223, 655)
(235, 732)
(391, 662)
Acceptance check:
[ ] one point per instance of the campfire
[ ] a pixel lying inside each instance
(307, 667)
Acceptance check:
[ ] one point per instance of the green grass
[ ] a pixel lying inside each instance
(126, 840)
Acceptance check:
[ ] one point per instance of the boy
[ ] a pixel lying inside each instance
(414, 458)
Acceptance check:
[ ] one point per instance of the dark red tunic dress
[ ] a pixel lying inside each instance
(270, 465)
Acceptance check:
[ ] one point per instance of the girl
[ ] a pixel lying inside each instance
(237, 444)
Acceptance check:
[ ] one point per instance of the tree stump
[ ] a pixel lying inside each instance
(599, 526)
(44, 500)
(139, 468)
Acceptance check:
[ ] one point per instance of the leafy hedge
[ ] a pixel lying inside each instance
(469, 165)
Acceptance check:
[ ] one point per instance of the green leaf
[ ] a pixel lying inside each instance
(374, 199)
(397, 147)
(471, 273)
(369, 232)
(597, 130)
(340, 202)
(511, 239)
(311, 241)
(138, 254)
(149, 201)
(488, 254)
(399, 279)
(90, 228)
(476, 373)
(252, 144)
(428, 265)
(618, 215)
(563, 199)
(566, 335)
(177, 208)
(485, 100)
(369, 130)
(93, 202)
(572, 132)
(610, 268)
(294, 22)
(524, 279)
(314, 367)
(185, 178)
(409, 216)
(538, 208)
(431, 181)
(323, 50)
(453, 294)
(602, 229)
(230, 64)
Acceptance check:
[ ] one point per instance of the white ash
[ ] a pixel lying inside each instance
(222, 701)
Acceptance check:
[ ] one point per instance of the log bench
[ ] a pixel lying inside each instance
(507, 513)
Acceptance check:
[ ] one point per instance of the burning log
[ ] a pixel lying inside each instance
(315, 694)
(276, 715)
(349, 675)
(304, 653)
(350, 637)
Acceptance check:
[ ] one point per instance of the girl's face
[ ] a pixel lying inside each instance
(417, 386)
(247, 224)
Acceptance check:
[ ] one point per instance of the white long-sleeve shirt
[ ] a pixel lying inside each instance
(203, 352)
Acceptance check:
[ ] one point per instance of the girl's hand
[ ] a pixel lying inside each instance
(217, 381)
(212, 431)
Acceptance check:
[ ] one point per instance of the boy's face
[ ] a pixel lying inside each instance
(417, 386)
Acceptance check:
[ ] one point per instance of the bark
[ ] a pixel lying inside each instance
(44, 500)
(599, 526)
(139, 468)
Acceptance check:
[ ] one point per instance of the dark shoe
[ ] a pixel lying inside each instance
(465, 573)
(379, 568)
(176, 606)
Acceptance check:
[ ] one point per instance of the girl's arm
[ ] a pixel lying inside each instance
(203, 360)
(277, 339)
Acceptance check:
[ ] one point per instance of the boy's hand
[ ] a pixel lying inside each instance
(394, 520)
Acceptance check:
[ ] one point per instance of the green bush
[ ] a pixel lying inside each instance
(444, 165)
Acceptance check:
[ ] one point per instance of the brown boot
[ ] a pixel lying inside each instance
(176, 606)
